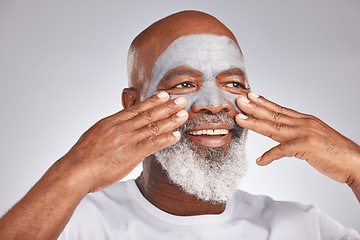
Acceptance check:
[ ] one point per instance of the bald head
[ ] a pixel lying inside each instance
(152, 42)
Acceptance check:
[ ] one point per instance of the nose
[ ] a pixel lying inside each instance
(209, 109)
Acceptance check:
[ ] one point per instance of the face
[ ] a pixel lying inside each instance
(208, 70)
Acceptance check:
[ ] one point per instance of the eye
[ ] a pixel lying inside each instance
(234, 85)
(184, 85)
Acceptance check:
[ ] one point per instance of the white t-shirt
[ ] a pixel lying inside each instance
(121, 212)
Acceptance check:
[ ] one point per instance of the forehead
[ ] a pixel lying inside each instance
(209, 54)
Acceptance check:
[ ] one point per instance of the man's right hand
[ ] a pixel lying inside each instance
(104, 154)
(115, 145)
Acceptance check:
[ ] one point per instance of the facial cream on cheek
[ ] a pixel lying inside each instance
(209, 97)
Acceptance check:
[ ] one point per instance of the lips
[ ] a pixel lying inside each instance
(212, 135)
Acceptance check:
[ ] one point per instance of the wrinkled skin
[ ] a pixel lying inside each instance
(302, 136)
(103, 155)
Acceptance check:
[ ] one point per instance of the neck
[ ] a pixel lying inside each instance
(162, 193)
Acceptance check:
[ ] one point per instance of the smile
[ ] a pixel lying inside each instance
(210, 132)
(212, 135)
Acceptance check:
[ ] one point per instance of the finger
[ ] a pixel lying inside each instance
(258, 111)
(284, 149)
(273, 106)
(163, 126)
(275, 130)
(158, 113)
(138, 108)
(155, 143)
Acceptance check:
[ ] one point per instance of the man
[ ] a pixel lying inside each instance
(186, 112)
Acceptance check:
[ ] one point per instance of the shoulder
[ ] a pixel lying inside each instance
(100, 211)
(116, 191)
(266, 207)
(287, 216)
(106, 201)
(266, 204)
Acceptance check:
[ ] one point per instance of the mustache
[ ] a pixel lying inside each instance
(209, 118)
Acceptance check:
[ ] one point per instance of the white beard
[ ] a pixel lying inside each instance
(210, 174)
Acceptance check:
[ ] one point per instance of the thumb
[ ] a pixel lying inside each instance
(284, 149)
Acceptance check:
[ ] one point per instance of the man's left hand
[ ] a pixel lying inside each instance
(302, 136)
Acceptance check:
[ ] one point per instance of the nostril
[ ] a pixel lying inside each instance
(228, 107)
(206, 111)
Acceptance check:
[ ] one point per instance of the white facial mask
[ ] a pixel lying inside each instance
(209, 54)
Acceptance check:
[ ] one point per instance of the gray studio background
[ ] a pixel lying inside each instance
(63, 67)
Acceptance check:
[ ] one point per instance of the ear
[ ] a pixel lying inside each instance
(130, 97)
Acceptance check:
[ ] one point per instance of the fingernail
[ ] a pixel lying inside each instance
(244, 99)
(176, 134)
(180, 100)
(258, 159)
(254, 94)
(242, 116)
(181, 113)
(162, 94)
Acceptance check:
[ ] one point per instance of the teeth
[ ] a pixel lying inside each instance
(210, 132)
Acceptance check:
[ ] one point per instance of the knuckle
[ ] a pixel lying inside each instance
(253, 105)
(312, 122)
(266, 102)
(169, 105)
(174, 118)
(152, 101)
(285, 145)
(154, 128)
(262, 99)
(278, 126)
(167, 138)
(310, 116)
(282, 110)
(277, 115)
(104, 123)
(282, 146)
(251, 124)
(148, 115)
(153, 141)
(134, 110)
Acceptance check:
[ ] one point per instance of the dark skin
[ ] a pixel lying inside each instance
(157, 189)
(115, 145)
(104, 154)
(153, 182)
(302, 136)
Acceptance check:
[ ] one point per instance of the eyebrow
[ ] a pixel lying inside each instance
(234, 71)
(178, 72)
(237, 72)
